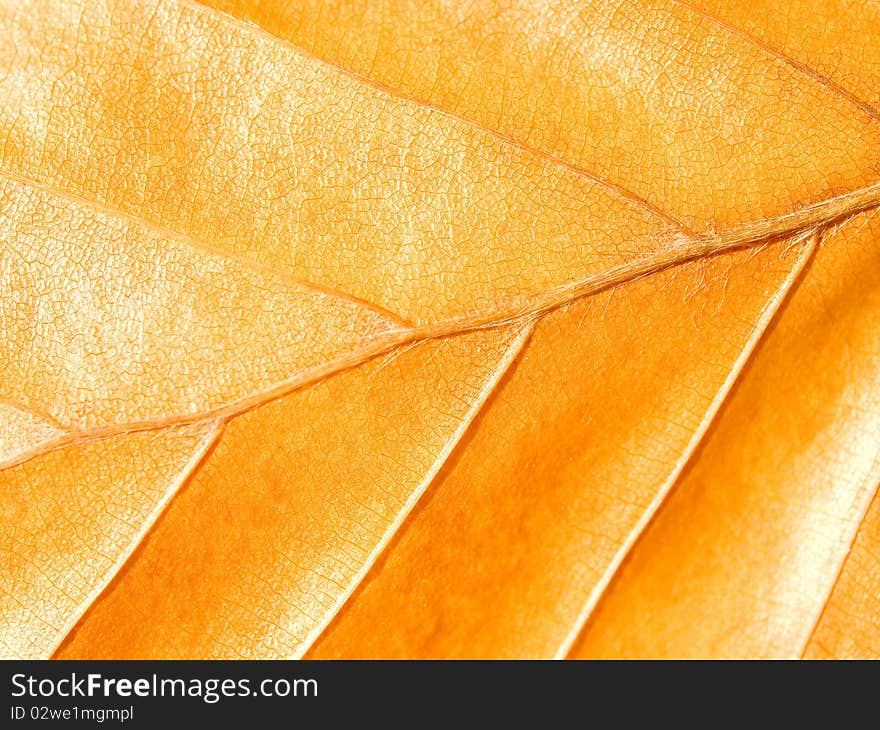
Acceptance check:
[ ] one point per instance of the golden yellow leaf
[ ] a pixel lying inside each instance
(335, 328)
(791, 464)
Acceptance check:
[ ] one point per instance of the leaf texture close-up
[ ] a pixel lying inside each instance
(439, 329)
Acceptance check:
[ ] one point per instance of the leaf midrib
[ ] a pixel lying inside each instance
(675, 252)
(686, 247)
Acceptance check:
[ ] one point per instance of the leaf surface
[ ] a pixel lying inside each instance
(789, 536)
(488, 325)
(514, 498)
(848, 626)
(71, 517)
(292, 505)
(652, 96)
